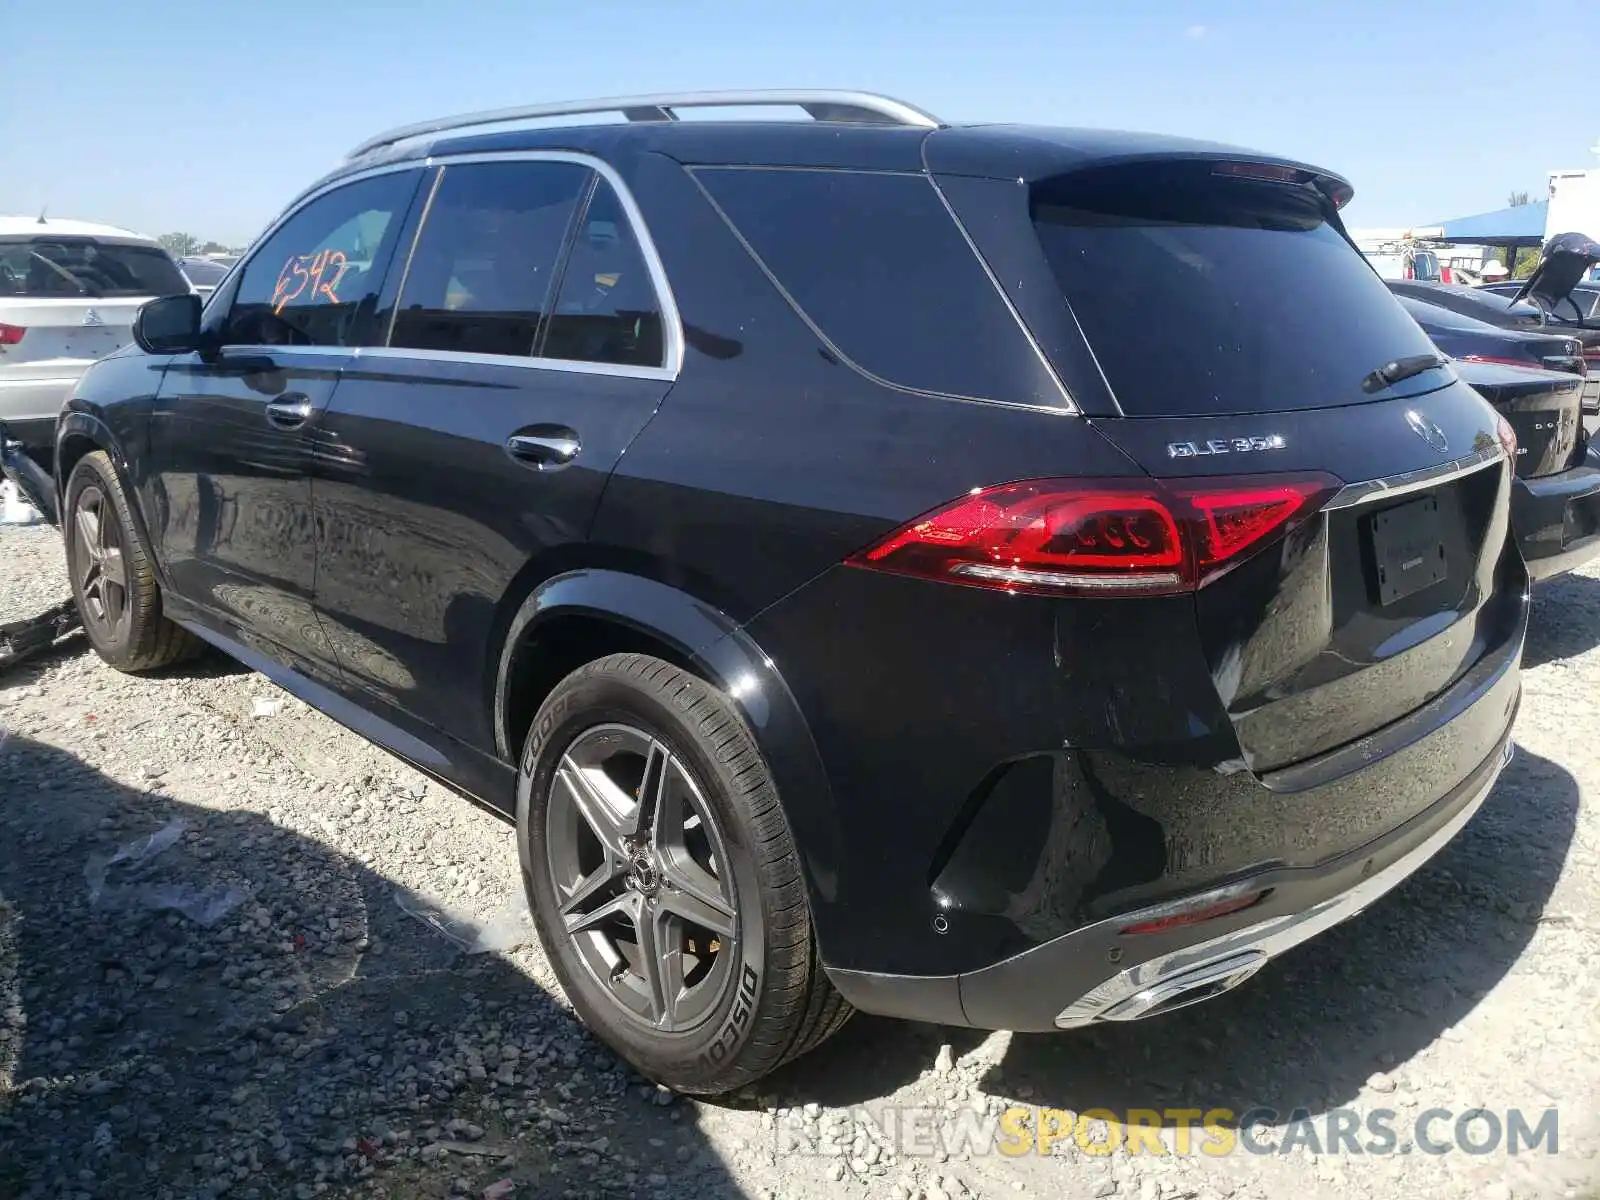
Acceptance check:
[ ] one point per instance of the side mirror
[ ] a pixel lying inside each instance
(170, 325)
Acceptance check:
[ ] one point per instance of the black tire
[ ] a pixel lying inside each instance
(138, 637)
(782, 1004)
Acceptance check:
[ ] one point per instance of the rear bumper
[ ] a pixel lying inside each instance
(26, 403)
(1557, 518)
(1099, 973)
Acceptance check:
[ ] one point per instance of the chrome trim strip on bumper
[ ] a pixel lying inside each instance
(1414, 481)
(1209, 968)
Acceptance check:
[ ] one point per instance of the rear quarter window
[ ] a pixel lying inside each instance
(878, 266)
(1202, 294)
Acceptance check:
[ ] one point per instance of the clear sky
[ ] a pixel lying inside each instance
(205, 117)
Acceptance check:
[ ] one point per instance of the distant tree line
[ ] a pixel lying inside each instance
(182, 245)
(1526, 259)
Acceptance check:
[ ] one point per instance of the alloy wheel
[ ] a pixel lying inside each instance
(642, 877)
(102, 569)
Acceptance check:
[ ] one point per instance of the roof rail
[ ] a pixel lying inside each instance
(861, 107)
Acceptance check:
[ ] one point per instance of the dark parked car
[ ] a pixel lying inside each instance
(1472, 340)
(956, 572)
(1555, 505)
(1548, 347)
(1538, 382)
(1581, 305)
(1519, 315)
(204, 273)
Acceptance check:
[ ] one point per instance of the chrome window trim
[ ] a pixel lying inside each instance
(411, 253)
(247, 348)
(572, 366)
(1371, 490)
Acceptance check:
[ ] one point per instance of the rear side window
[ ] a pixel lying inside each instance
(878, 265)
(483, 270)
(312, 281)
(42, 268)
(1206, 294)
(608, 311)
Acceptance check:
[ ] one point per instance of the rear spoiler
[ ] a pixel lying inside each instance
(31, 479)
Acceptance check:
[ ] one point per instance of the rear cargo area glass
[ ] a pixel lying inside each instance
(71, 267)
(1203, 294)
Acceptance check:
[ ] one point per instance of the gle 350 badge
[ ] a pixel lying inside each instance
(1233, 445)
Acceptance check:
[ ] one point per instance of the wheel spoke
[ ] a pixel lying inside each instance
(691, 891)
(604, 806)
(626, 905)
(658, 767)
(666, 814)
(111, 567)
(661, 962)
(89, 532)
(694, 894)
(595, 881)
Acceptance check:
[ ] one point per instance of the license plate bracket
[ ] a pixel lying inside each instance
(1407, 548)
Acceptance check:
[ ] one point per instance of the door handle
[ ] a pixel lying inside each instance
(289, 411)
(555, 447)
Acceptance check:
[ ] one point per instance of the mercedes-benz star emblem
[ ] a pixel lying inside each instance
(92, 318)
(1427, 431)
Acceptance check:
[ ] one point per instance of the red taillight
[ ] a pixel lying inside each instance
(1504, 362)
(10, 335)
(1194, 912)
(1270, 172)
(1106, 537)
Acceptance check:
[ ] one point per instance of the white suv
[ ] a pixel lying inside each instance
(68, 293)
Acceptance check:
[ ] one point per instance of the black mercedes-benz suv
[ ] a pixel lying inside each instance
(1008, 577)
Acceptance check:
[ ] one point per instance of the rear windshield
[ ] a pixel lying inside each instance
(204, 272)
(64, 267)
(1203, 294)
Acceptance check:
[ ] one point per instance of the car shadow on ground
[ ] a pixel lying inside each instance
(1565, 620)
(195, 1001)
(1308, 1030)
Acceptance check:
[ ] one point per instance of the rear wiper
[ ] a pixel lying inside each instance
(1392, 373)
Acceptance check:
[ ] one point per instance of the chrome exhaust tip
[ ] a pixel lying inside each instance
(1191, 987)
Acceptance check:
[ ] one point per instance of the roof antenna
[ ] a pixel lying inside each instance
(42, 212)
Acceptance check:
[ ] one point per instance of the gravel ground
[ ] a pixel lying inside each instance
(213, 981)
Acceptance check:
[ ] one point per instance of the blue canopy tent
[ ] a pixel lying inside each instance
(1519, 226)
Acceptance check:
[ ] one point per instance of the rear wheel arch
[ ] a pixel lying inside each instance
(71, 445)
(82, 433)
(580, 616)
(546, 652)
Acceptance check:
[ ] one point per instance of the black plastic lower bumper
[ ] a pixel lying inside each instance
(1099, 972)
(1557, 518)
